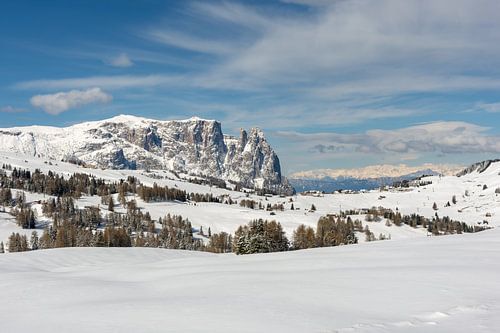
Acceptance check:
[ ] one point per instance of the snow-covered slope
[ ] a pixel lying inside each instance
(219, 217)
(478, 167)
(194, 146)
(474, 205)
(441, 284)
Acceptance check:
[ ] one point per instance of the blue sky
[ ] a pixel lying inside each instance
(334, 84)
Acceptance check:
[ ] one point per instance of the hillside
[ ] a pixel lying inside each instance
(474, 203)
(434, 284)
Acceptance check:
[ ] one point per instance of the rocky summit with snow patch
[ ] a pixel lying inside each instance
(480, 167)
(195, 147)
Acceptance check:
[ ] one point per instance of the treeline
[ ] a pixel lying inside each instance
(64, 209)
(210, 181)
(80, 184)
(330, 231)
(252, 204)
(175, 233)
(160, 193)
(262, 236)
(436, 225)
(16, 243)
(126, 230)
(53, 184)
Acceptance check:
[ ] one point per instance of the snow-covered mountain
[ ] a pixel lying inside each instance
(378, 171)
(479, 167)
(194, 147)
(328, 184)
(368, 178)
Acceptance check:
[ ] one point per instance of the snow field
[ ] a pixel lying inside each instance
(431, 284)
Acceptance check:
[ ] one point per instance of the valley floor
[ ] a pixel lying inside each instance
(428, 284)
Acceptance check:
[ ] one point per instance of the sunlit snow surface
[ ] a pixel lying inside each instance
(431, 284)
(477, 206)
(412, 283)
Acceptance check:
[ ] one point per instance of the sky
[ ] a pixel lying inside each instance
(333, 84)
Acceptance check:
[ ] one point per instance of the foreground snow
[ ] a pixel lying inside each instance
(431, 284)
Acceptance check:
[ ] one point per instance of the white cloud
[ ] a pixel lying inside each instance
(298, 67)
(183, 41)
(390, 85)
(11, 109)
(311, 2)
(62, 101)
(489, 107)
(108, 82)
(234, 13)
(453, 137)
(122, 60)
(367, 47)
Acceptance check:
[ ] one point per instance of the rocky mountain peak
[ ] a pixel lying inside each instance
(480, 167)
(193, 147)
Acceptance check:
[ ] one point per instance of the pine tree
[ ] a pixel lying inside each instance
(13, 243)
(303, 238)
(18, 243)
(369, 236)
(2, 248)
(34, 243)
(45, 241)
(111, 204)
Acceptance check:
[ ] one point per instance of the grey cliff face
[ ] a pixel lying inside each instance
(192, 147)
(480, 167)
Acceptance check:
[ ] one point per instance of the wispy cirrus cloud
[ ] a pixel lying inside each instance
(419, 43)
(122, 60)
(393, 85)
(352, 48)
(11, 109)
(312, 2)
(237, 14)
(187, 42)
(489, 107)
(107, 82)
(452, 137)
(57, 103)
(312, 61)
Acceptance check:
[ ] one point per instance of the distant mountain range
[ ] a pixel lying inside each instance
(367, 178)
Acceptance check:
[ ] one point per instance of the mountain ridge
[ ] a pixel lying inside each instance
(377, 171)
(192, 146)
